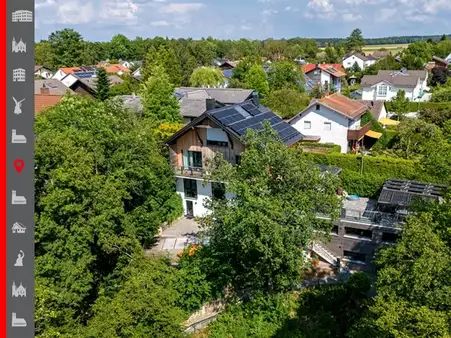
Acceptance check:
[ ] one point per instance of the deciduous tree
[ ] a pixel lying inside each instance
(285, 75)
(207, 77)
(286, 102)
(256, 79)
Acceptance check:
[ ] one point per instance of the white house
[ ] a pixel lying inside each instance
(362, 60)
(327, 75)
(333, 119)
(386, 84)
(217, 130)
(43, 72)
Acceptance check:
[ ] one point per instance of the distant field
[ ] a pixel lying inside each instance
(394, 48)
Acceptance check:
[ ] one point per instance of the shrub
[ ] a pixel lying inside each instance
(319, 147)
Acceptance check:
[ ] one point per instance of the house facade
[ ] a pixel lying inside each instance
(386, 84)
(333, 119)
(366, 224)
(326, 75)
(42, 72)
(362, 60)
(217, 131)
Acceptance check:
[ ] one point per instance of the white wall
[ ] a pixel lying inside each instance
(59, 75)
(325, 77)
(339, 126)
(369, 93)
(349, 62)
(203, 192)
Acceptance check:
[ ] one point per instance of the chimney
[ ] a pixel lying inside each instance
(256, 98)
(372, 103)
(210, 103)
(45, 90)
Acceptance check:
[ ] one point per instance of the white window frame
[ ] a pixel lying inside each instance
(328, 126)
(308, 123)
(380, 92)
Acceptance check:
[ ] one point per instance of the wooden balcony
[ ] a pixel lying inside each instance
(190, 171)
(356, 135)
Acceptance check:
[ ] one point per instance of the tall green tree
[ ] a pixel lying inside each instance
(165, 58)
(285, 75)
(158, 99)
(67, 47)
(258, 237)
(207, 77)
(286, 102)
(102, 190)
(120, 47)
(400, 104)
(102, 85)
(355, 41)
(256, 79)
(43, 54)
(413, 298)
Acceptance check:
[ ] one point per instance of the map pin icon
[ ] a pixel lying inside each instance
(19, 164)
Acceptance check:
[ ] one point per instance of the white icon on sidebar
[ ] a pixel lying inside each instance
(17, 138)
(19, 260)
(19, 291)
(18, 106)
(18, 322)
(19, 47)
(18, 228)
(15, 199)
(22, 16)
(19, 75)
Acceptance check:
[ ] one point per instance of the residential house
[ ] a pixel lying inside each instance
(448, 58)
(82, 72)
(224, 64)
(193, 101)
(48, 93)
(137, 74)
(42, 72)
(117, 69)
(327, 75)
(376, 108)
(359, 58)
(366, 224)
(386, 84)
(334, 119)
(196, 101)
(217, 131)
(440, 63)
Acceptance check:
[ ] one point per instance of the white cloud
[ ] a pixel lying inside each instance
(269, 12)
(386, 13)
(320, 8)
(160, 23)
(68, 13)
(291, 9)
(181, 8)
(434, 6)
(43, 4)
(245, 27)
(349, 17)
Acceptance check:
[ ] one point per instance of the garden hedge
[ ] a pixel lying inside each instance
(376, 169)
(322, 147)
(416, 106)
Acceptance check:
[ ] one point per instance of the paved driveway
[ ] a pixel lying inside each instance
(175, 238)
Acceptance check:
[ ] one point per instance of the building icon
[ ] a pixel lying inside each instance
(19, 75)
(22, 16)
(19, 291)
(18, 228)
(19, 47)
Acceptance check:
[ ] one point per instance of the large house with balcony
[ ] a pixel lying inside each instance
(217, 130)
(365, 224)
(334, 119)
(329, 76)
(386, 84)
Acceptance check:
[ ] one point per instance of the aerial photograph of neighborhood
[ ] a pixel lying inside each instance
(258, 168)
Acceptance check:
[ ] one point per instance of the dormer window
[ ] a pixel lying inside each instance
(382, 90)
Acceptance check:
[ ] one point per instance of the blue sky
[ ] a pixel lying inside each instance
(99, 20)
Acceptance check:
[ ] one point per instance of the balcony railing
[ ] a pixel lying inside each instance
(359, 133)
(372, 217)
(190, 171)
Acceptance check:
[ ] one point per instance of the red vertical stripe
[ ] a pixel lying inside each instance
(3, 178)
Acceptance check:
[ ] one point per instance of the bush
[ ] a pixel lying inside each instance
(386, 140)
(417, 106)
(376, 169)
(319, 147)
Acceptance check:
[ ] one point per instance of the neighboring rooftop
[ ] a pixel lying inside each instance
(401, 78)
(54, 87)
(237, 118)
(333, 69)
(379, 54)
(131, 102)
(223, 95)
(375, 107)
(92, 81)
(402, 192)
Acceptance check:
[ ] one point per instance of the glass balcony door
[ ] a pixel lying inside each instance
(192, 159)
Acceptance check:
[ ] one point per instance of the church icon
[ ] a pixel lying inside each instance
(19, 291)
(19, 47)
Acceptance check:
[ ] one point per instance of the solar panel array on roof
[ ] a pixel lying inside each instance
(241, 117)
(50, 85)
(88, 68)
(84, 75)
(402, 193)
